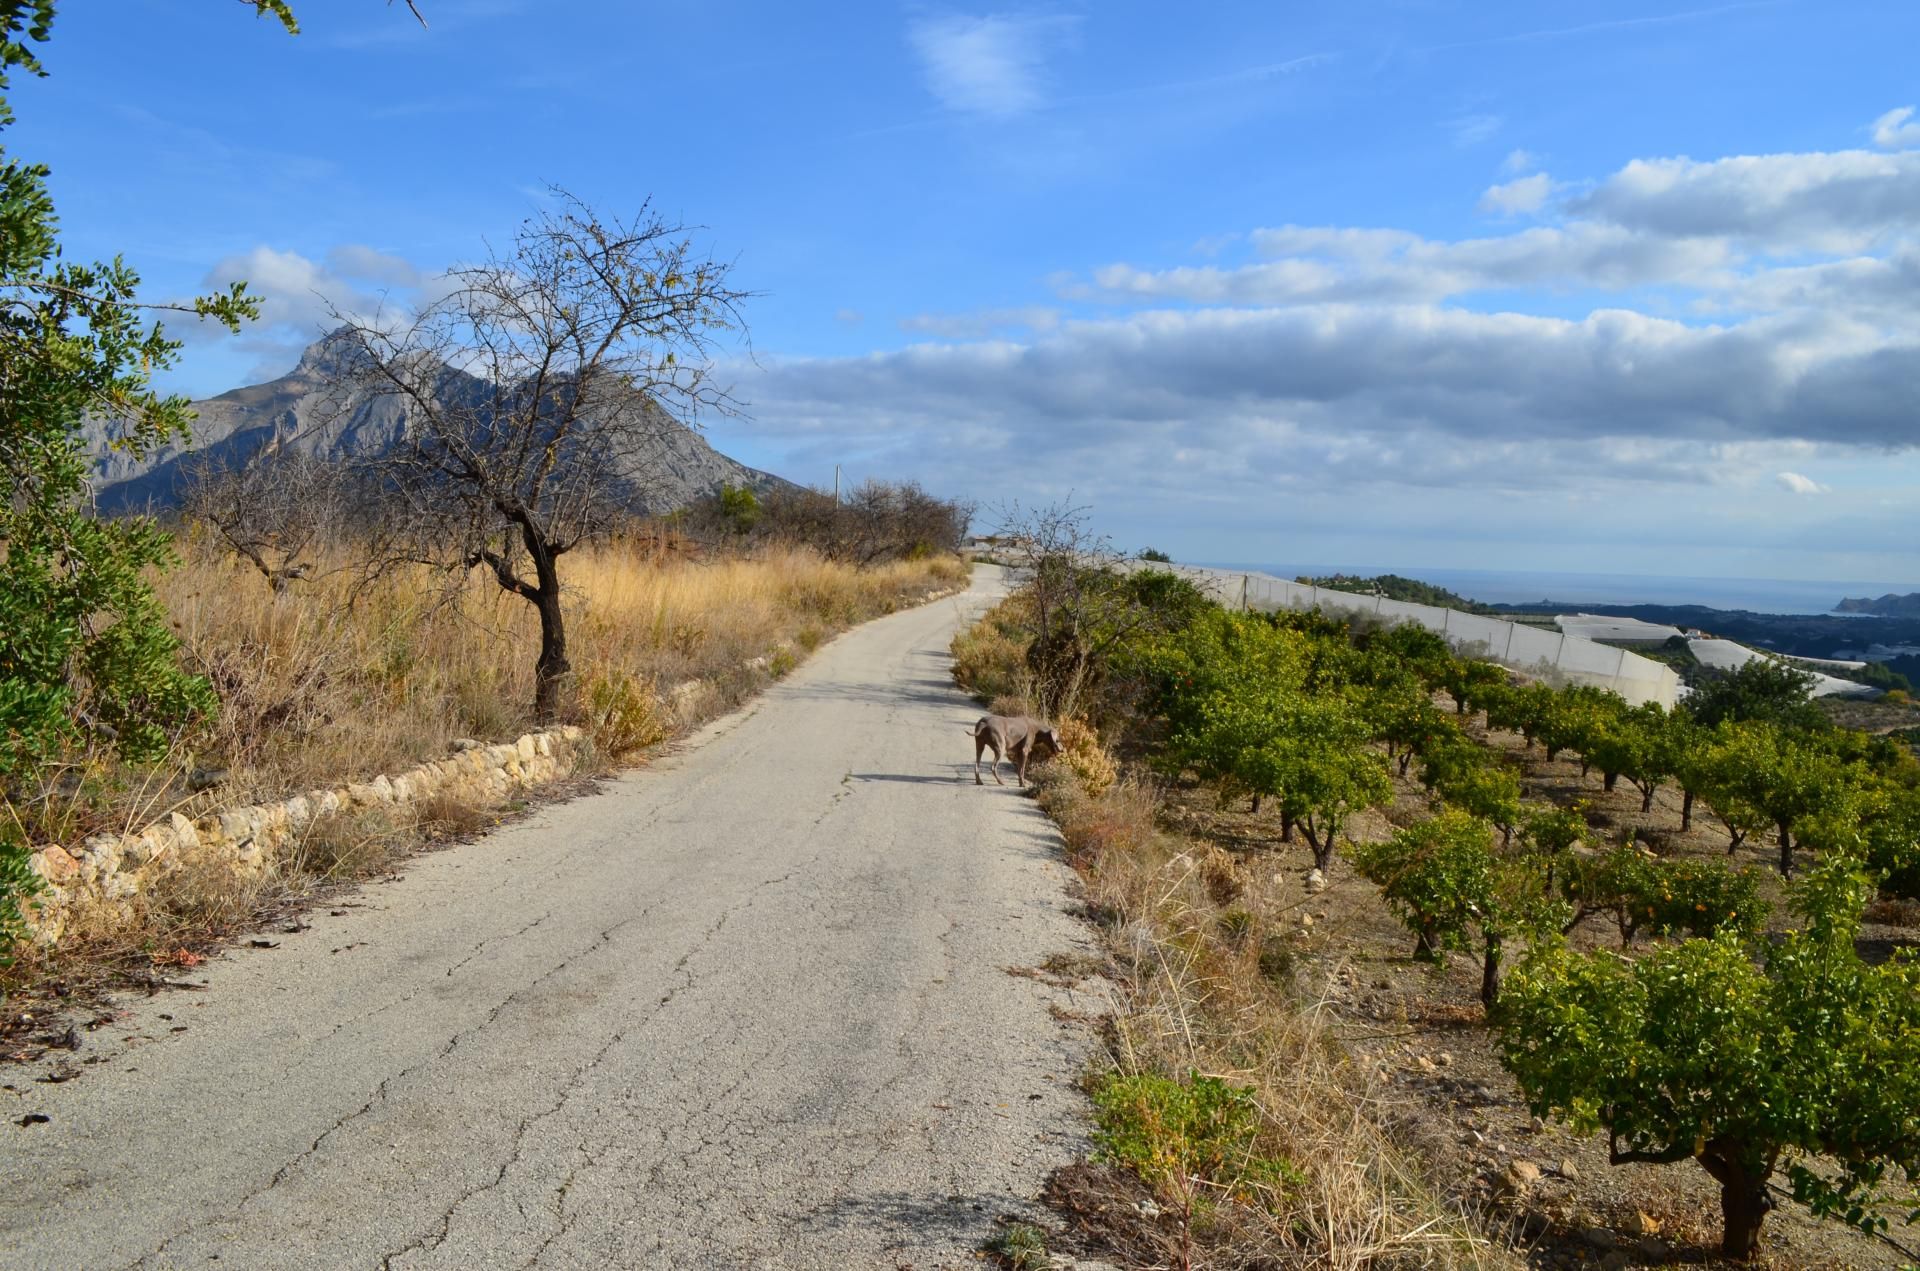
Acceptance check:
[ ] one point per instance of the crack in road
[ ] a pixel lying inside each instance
(379, 1095)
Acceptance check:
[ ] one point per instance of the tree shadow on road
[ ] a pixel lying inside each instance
(914, 1218)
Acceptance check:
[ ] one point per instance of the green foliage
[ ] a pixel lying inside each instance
(1447, 884)
(86, 658)
(1764, 689)
(1644, 894)
(1472, 684)
(1148, 553)
(1490, 791)
(1696, 1052)
(1436, 876)
(1394, 587)
(737, 508)
(1784, 776)
(1553, 832)
(1021, 1246)
(1194, 1142)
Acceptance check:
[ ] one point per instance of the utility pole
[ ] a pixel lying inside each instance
(836, 483)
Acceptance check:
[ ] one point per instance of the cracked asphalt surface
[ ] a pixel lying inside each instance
(746, 1007)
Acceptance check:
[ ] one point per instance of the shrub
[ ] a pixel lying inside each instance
(1081, 751)
(1020, 1246)
(19, 884)
(1193, 1142)
(623, 714)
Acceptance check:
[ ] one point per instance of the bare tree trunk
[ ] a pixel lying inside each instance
(1490, 975)
(1686, 811)
(1786, 851)
(551, 671)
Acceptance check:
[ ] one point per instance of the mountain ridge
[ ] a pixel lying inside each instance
(304, 412)
(1890, 605)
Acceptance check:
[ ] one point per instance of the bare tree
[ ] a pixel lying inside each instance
(278, 509)
(541, 394)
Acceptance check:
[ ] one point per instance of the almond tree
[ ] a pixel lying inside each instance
(540, 392)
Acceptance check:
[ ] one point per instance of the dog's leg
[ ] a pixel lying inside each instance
(979, 744)
(995, 744)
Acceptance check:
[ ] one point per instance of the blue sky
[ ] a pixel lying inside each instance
(1630, 287)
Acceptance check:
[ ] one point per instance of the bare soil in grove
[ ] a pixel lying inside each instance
(1546, 1192)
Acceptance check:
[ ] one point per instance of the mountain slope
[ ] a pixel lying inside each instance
(305, 412)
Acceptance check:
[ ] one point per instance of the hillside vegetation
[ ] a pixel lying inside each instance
(1394, 587)
(1620, 973)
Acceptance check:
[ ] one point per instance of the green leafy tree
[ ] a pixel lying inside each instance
(1402, 715)
(1643, 744)
(86, 657)
(1764, 689)
(1698, 1052)
(1784, 775)
(1575, 718)
(1471, 683)
(1447, 884)
(1664, 897)
(1490, 791)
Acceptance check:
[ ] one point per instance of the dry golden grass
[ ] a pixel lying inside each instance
(1204, 947)
(319, 685)
(1203, 952)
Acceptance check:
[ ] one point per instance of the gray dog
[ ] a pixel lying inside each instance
(1021, 738)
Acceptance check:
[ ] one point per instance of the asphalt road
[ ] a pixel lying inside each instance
(746, 1007)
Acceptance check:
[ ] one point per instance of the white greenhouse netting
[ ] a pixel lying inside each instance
(1551, 655)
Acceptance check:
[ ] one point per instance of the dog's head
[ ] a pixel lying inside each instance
(1046, 743)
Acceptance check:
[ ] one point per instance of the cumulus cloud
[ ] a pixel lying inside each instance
(992, 66)
(1518, 162)
(1528, 194)
(1794, 483)
(1897, 129)
(299, 298)
(1844, 200)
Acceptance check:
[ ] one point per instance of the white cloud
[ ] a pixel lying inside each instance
(353, 260)
(1519, 161)
(1845, 200)
(1794, 483)
(1897, 130)
(1325, 265)
(1471, 130)
(992, 65)
(1528, 194)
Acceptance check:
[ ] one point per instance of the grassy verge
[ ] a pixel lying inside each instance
(1222, 1090)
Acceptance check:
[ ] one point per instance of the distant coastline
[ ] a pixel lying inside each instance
(1531, 587)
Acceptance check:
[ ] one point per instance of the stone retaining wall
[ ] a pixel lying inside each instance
(98, 881)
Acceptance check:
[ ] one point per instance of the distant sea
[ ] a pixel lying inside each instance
(1521, 587)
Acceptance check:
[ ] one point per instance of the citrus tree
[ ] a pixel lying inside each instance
(1443, 879)
(1801, 1059)
(1786, 776)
